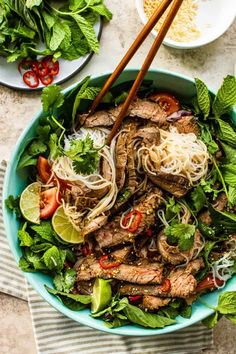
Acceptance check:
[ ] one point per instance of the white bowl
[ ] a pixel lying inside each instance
(213, 18)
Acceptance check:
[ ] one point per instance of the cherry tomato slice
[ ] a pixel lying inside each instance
(46, 80)
(31, 79)
(168, 102)
(208, 283)
(48, 203)
(44, 169)
(52, 65)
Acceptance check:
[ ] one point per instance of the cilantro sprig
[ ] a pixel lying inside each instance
(181, 234)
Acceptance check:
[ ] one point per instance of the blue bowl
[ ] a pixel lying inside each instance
(16, 181)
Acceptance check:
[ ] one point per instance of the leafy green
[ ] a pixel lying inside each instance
(67, 32)
(227, 133)
(206, 137)
(83, 154)
(13, 204)
(181, 234)
(173, 208)
(226, 97)
(54, 258)
(65, 281)
(45, 230)
(145, 319)
(230, 153)
(223, 220)
(199, 198)
(229, 174)
(203, 97)
(232, 195)
(74, 302)
(24, 237)
(226, 306)
(52, 98)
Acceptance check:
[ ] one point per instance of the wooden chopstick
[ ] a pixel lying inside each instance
(131, 51)
(151, 54)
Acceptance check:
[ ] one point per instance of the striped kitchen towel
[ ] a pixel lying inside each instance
(57, 334)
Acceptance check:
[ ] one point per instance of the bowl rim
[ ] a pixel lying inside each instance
(181, 45)
(88, 321)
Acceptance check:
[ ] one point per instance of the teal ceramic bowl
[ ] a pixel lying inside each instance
(15, 183)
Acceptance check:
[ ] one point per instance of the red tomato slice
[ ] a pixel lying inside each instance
(208, 283)
(48, 204)
(44, 169)
(168, 102)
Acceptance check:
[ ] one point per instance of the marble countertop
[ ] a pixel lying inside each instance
(210, 63)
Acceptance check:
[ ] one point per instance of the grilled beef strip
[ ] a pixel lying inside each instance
(182, 283)
(112, 233)
(141, 108)
(174, 184)
(121, 159)
(172, 254)
(90, 268)
(151, 303)
(186, 125)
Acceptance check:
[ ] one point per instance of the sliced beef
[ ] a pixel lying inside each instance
(85, 287)
(174, 184)
(182, 283)
(172, 254)
(148, 135)
(220, 204)
(132, 177)
(113, 234)
(121, 159)
(151, 303)
(187, 125)
(141, 274)
(94, 224)
(141, 108)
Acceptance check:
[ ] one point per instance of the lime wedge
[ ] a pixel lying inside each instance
(63, 227)
(30, 203)
(101, 296)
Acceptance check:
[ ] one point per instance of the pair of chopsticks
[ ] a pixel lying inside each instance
(132, 50)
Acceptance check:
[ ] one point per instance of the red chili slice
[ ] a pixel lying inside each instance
(208, 283)
(51, 65)
(166, 286)
(46, 80)
(24, 64)
(137, 217)
(108, 265)
(34, 67)
(42, 70)
(135, 298)
(31, 79)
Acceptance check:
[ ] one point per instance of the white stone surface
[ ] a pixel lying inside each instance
(210, 63)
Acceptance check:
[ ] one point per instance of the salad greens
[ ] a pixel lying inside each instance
(42, 249)
(66, 32)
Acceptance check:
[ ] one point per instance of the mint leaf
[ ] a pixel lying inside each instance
(227, 133)
(230, 153)
(102, 10)
(203, 97)
(229, 174)
(182, 234)
(13, 204)
(226, 96)
(54, 258)
(52, 98)
(65, 282)
(145, 319)
(24, 237)
(34, 260)
(199, 198)
(57, 37)
(227, 303)
(232, 195)
(45, 230)
(211, 321)
(32, 3)
(207, 138)
(88, 32)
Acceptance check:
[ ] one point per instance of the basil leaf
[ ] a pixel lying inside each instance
(145, 319)
(226, 97)
(83, 299)
(117, 322)
(211, 321)
(227, 303)
(203, 97)
(186, 311)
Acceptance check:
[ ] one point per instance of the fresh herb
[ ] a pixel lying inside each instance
(173, 208)
(83, 154)
(224, 221)
(225, 98)
(198, 198)
(227, 133)
(226, 306)
(54, 258)
(181, 234)
(203, 98)
(65, 281)
(25, 239)
(13, 204)
(66, 32)
(206, 137)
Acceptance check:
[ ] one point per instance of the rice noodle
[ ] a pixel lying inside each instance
(178, 154)
(223, 268)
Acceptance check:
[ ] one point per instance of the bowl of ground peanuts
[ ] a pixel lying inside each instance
(197, 23)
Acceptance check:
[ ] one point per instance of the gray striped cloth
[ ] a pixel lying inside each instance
(57, 334)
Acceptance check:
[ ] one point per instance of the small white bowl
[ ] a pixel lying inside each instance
(213, 18)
